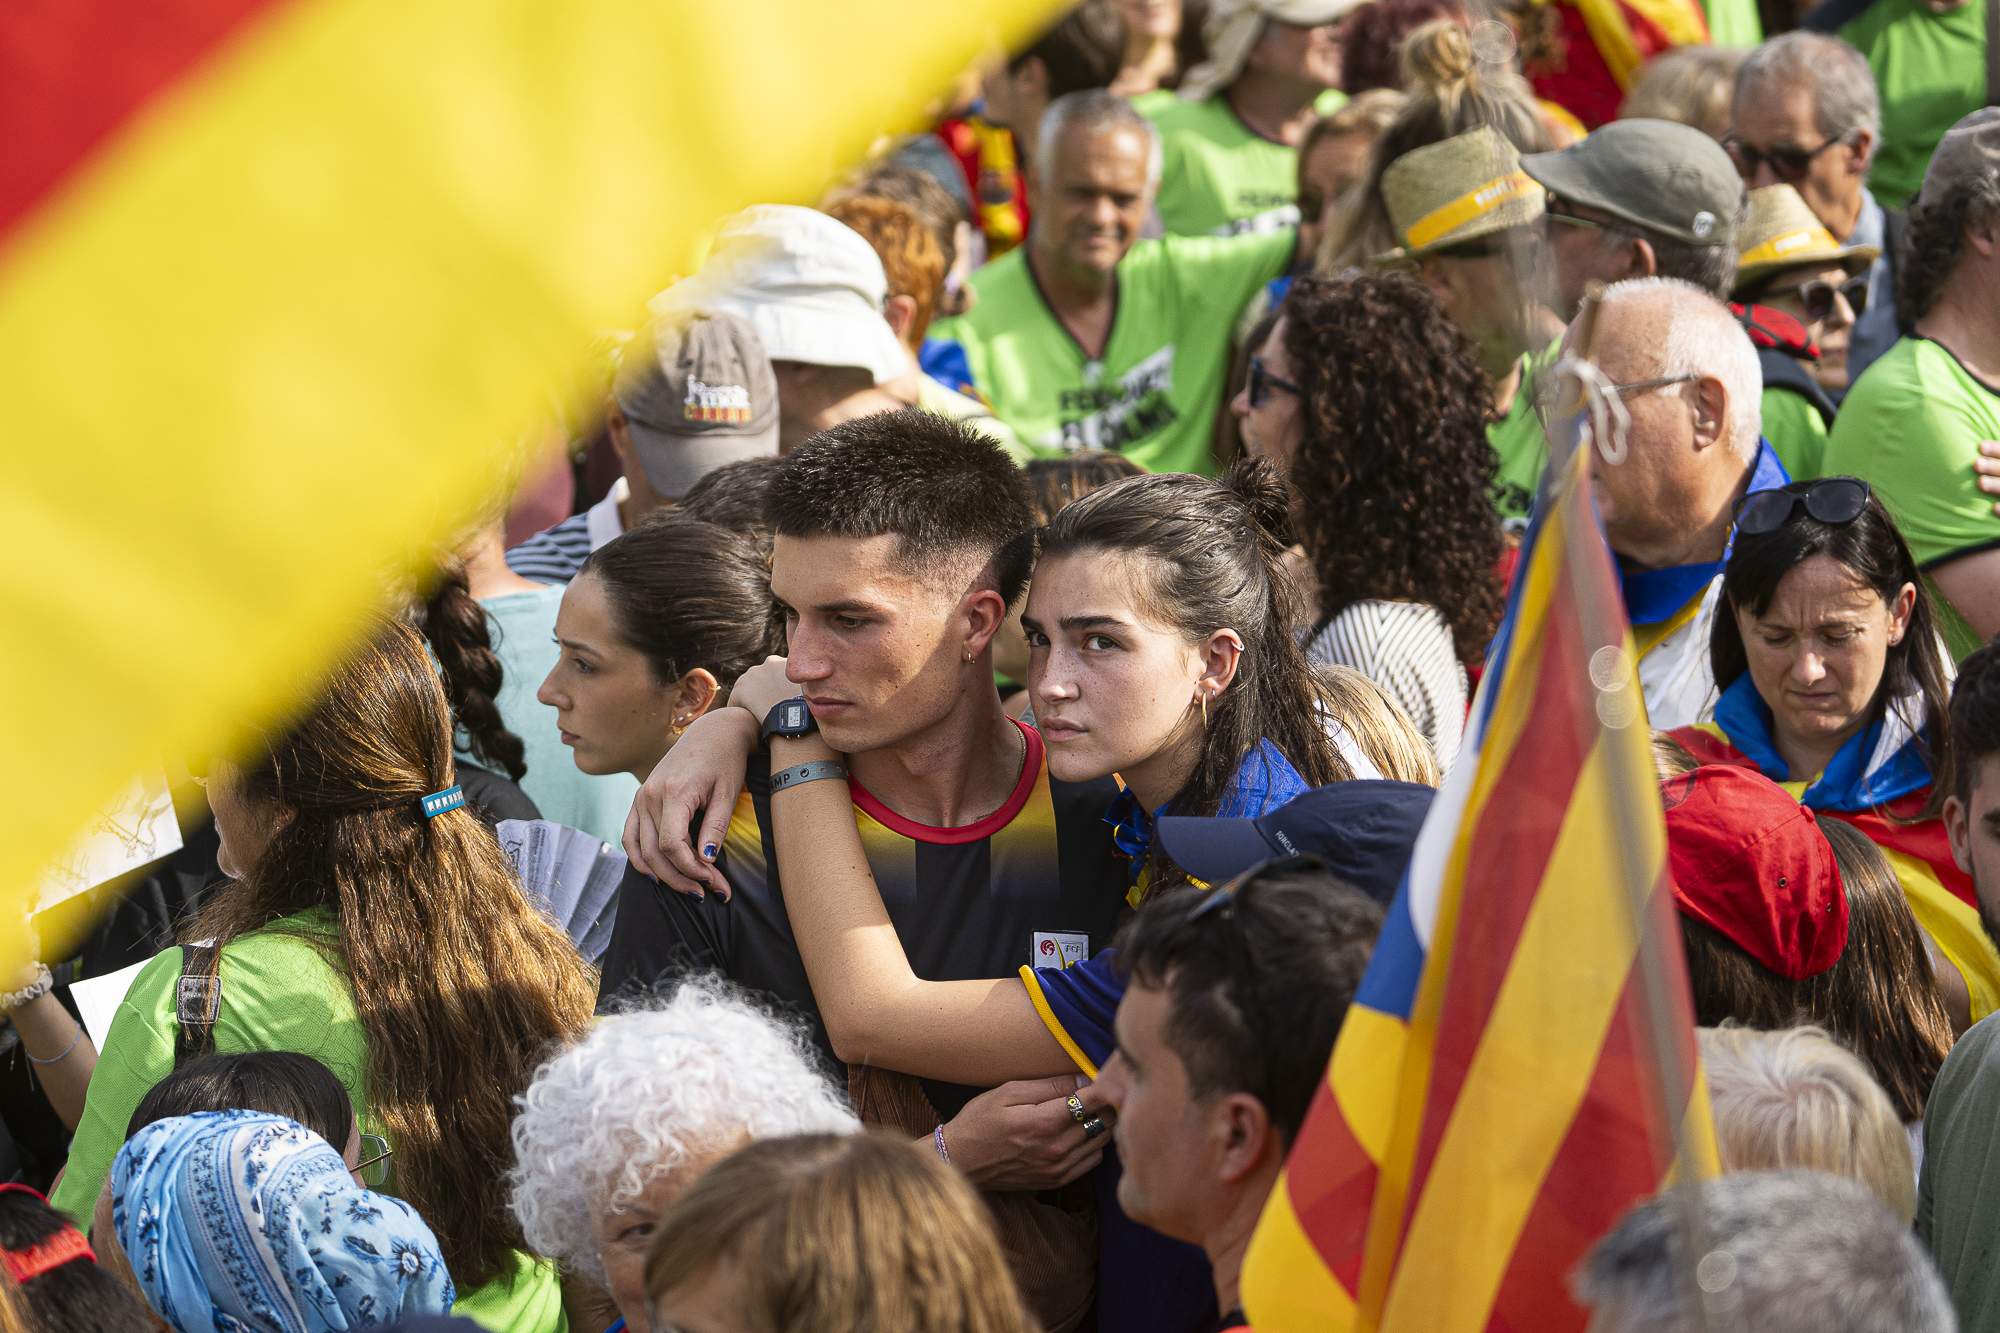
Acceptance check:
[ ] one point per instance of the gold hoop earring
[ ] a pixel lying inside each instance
(1204, 710)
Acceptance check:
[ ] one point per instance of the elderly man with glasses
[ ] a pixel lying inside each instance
(1806, 114)
(1671, 475)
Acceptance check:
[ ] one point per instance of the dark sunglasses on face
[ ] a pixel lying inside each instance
(1789, 163)
(1833, 500)
(1817, 296)
(1263, 381)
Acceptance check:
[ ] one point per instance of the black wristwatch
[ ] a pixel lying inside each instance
(788, 717)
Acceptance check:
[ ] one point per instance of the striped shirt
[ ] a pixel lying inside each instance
(1406, 648)
(553, 555)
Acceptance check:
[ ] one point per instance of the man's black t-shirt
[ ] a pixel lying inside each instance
(1038, 881)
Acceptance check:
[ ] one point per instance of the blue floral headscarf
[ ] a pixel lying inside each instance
(237, 1221)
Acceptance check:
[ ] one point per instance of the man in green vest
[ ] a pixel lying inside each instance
(1086, 337)
(1231, 135)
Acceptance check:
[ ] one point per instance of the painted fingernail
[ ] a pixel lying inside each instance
(699, 895)
(708, 852)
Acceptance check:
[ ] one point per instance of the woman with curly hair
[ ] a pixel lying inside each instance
(1370, 399)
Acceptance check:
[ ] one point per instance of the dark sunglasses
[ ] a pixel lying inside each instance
(1559, 210)
(1789, 163)
(1817, 296)
(1832, 500)
(1263, 381)
(1223, 897)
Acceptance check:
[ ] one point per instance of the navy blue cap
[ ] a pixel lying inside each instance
(1363, 830)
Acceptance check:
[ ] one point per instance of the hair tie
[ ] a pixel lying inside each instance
(65, 1246)
(438, 802)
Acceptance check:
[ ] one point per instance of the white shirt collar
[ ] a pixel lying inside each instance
(601, 522)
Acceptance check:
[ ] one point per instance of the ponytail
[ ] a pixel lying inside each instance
(454, 625)
(1217, 563)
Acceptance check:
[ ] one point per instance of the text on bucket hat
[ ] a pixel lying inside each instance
(1782, 232)
(1468, 186)
(697, 393)
(1665, 179)
(1233, 27)
(811, 286)
(1363, 830)
(1751, 862)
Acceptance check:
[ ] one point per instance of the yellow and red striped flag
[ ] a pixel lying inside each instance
(281, 280)
(1519, 1061)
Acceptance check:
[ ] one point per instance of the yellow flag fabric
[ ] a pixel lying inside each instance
(269, 336)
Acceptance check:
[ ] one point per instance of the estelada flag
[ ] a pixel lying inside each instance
(1502, 1091)
(283, 281)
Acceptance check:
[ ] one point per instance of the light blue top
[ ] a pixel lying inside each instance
(523, 625)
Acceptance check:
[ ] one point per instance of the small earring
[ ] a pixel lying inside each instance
(1204, 710)
(968, 659)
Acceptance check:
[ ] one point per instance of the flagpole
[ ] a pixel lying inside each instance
(1619, 709)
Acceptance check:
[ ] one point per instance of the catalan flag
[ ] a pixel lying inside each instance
(283, 281)
(1520, 1058)
(1585, 55)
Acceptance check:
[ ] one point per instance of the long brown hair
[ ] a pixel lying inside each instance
(460, 984)
(1880, 999)
(842, 1231)
(1216, 565)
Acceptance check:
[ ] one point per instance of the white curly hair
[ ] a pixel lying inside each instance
(647, 1090)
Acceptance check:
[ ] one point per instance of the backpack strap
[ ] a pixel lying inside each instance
(197, 1000)
(1993, 52)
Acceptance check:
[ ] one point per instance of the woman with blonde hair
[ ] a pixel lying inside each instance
(1796, 1099)
(831, 1232)
(375, 924)
(1374, 731)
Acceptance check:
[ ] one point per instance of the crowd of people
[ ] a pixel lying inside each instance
(1007, 628)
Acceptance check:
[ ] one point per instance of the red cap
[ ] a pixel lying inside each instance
(1750, 861)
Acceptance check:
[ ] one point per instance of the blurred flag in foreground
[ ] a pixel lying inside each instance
(1520, 1058)
(281, 281)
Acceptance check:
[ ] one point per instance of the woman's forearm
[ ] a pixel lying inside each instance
(876, 1009)
(59, 1052)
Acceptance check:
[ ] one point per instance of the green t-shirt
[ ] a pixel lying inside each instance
(1911, 427)
(1734, 22)
(1796, 430)
(1154, 393)
(279, 993)
(1219, 176)
(1521, 441)
(1931, 71)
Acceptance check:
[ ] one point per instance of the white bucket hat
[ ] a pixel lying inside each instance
(1232, 28)
(811, 287)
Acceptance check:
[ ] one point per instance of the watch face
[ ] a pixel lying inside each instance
(794, 716)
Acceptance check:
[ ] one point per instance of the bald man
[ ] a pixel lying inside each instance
(1687, 374)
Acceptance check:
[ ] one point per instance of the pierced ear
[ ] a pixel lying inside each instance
(694, 695)
(1219, 659)
(984, 614)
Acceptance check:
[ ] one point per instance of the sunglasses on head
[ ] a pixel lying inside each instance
(1833, 500)
(1789, 163)
(1262, 382)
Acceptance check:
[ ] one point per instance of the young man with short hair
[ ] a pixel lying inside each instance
(902, 538)
(1224, 1034)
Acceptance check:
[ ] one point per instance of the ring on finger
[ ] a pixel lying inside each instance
(1076, 1111)
(1094, 1127)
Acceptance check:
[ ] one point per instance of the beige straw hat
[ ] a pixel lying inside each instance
(1783, 232)
(1448, 193)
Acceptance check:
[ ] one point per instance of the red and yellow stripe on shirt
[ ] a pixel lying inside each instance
(1939, 893)
(1492, 1105)
(280, 280)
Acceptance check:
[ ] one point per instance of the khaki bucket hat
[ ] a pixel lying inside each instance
(1783, 232)
(1446, 194)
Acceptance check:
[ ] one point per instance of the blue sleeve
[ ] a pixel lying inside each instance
(1079, 1005)
(944, 360)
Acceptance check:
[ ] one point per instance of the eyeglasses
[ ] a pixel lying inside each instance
(1831, 500)
(1789, 163)
(1646, 386)
(1546, 395)
(1817, 296)
(1222, 898)
(373, 1168)
(1262, 381)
